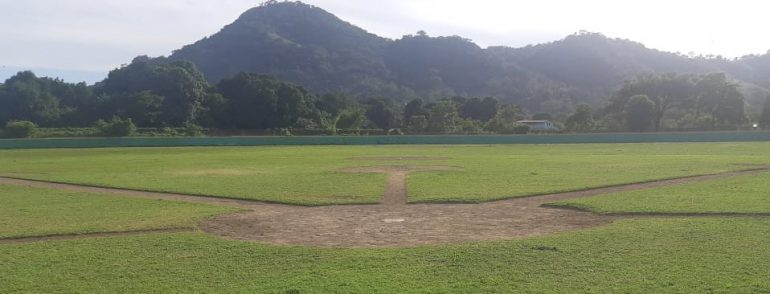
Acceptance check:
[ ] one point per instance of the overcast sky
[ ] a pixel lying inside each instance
(81, 40)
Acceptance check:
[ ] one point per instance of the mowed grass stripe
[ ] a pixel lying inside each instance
(30, 212)
(743, 194)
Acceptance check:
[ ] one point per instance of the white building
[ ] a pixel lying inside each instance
(540, 125)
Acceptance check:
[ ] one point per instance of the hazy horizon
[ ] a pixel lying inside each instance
(82, 40)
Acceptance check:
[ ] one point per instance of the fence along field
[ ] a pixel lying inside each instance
(425, 174)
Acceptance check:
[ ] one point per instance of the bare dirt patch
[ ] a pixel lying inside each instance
(395, 224)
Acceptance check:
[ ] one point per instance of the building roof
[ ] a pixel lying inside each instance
(534, 121)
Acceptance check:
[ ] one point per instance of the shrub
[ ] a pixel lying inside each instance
(116, 127)
(193, 130)
(65, 132)
(520, 128)
(507, 128)
(471, 126)
(417, 123)
(20, 129)
(168, 132)
(395, 132)
(284, 132)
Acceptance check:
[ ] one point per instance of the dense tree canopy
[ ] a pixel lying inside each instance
(479, 109)
(640, 113)
(721, 100)
(686, 101)
(581, 120)
(24, 96)
(310, 47)
(764, 119)
(158, 94)
(382, 113)
(505, 121)
(668, 92)
(178, 88)
(262, 102)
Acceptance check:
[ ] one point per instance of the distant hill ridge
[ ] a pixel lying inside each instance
(309, 46)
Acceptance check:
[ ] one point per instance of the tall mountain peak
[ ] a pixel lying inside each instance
(309, 46)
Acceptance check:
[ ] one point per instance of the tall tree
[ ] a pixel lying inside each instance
(414, 108)
(764, 120)
(720, 99)
(543, 116)
(581, 120)
(27, 97)
(144, 108)
(505, 121)
(667, 92)
(382, 113)
(262, 102)
(333, 103)
(480, 109)
(352, 118)
(180, 83)
(444, 117)
(640, 113)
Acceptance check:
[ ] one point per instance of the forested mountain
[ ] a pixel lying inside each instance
(308, 46)
(287, 66)
(295, 42)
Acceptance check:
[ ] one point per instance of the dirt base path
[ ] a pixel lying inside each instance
(395, 187)
(127, 192)
(393, 223)
(23, 240)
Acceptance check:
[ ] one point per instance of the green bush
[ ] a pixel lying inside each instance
(286, 132)
(116, 127)
(470, 126)
(417, 123)
(520, 129)
(66, 132)
(395, 132)
(500, 127)
(20, 129)
(193, 130)
(167, 132)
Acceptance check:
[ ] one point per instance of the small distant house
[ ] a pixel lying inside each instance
(540, 125)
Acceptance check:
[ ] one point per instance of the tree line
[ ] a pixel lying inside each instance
(155, 94)
(152, 94)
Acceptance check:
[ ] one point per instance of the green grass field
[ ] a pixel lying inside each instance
(744, 194)
(644, 255)
(26, 212)
(309, 175)
(640, 256)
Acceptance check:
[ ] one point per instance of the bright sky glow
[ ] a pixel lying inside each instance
(84, 39)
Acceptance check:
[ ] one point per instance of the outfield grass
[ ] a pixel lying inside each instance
(504, 171)
(26, 212)
(744, 194)
(642, 256)
(309, 175)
